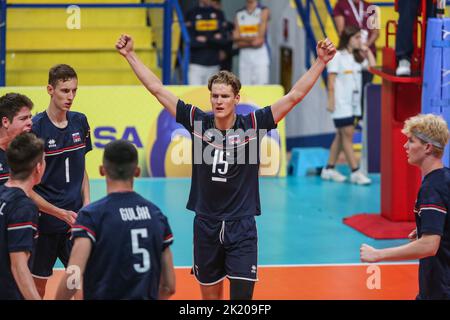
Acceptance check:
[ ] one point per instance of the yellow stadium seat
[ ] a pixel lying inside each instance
(40, 38)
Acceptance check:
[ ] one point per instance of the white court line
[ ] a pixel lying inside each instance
(316, 265)
(336, 264)
(323, 265)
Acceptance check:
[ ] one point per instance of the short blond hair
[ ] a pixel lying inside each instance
(227, 78)
(429, 128)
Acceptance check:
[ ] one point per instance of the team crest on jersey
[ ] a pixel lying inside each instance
(1, 166)
(76, 137)
(208, 135)
(234, 139)
(52, 143)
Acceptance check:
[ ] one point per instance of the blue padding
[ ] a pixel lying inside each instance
(445, 86)
(446, 64)
(439, 103)
(307, 159)
(440, 44)
(431, 89)
(436, 77)
(446, 157)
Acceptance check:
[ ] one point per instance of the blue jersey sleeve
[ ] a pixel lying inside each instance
(432, 211)
(87, 133)
(35, 127)
(22, 227)
(84, 227)
(187, 115)
(262, 119)
(167, 232)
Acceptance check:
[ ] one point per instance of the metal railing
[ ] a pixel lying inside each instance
(307, 9)
(183, 60)
(168, 6)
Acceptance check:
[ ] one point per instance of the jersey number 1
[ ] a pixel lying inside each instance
(135, 233)
(66, 166)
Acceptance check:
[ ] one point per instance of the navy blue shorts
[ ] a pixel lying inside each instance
(345, 122)
(225, 249)
(48, 248)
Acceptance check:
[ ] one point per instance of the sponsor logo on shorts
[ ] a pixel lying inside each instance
(196, 269)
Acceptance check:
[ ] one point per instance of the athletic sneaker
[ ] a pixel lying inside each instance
(332, 174)
(359, 178)
(404, 68)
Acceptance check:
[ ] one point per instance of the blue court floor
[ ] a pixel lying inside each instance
(301, 221)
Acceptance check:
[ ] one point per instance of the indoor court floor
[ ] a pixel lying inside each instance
(305, 250)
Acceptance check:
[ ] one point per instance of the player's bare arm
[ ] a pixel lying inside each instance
(45, 206)
(167, 281)
(426, 246)
(77, 264)
(413, 235)
(325, 52)
(22, 275)
(153, 84)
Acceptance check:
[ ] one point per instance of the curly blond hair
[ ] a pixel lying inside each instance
(428, 128)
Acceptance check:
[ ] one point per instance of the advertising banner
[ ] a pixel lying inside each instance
(133, 114)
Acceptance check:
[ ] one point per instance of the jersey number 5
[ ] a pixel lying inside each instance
(135, 233)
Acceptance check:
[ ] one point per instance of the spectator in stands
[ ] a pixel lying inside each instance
(357, 13)
(250, 29)
(404, 45)
(226, 54)
(206, 26)
(361, 14)
(344, 90)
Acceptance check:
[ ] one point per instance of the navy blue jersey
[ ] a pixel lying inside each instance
(207, 22)
(18, 230)
(431, 214)
(4, 169)
(64, 154)
(128, 235)
(225, 164)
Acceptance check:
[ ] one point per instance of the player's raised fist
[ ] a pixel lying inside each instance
(368, 253)
(325, 50)
(124, 44)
